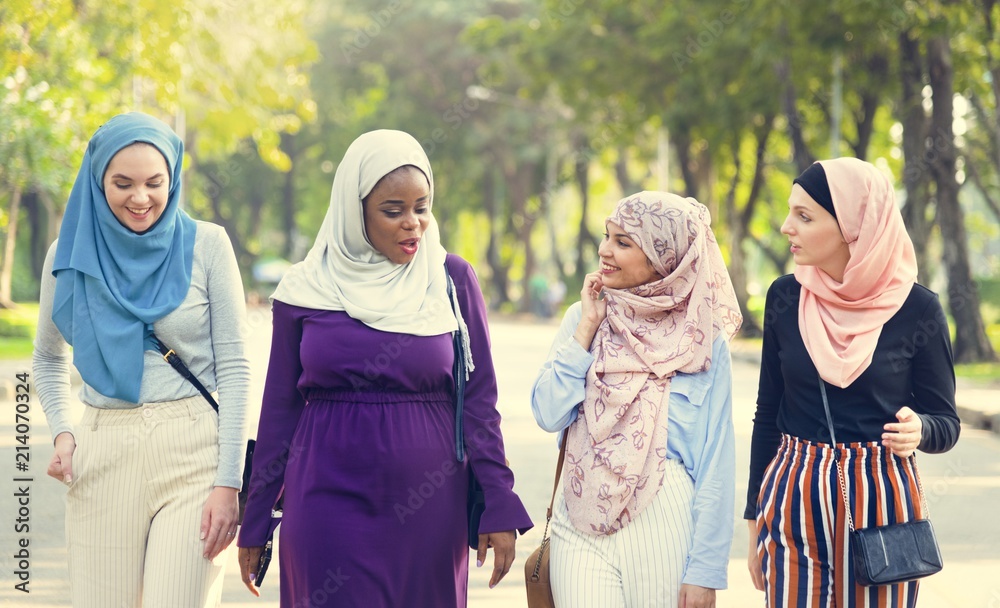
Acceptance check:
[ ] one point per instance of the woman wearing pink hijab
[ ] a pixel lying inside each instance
(851, 323)
(638, 378)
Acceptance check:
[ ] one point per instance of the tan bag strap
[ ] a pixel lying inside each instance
(555, 484)
(548, 513)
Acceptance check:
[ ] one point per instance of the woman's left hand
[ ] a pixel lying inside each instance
(503, 553)
(903, 437)
(693, 596)
(219, 520)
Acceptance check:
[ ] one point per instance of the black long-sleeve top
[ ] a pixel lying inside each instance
(912, 366)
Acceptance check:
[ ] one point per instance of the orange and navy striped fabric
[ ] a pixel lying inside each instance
(802, 528)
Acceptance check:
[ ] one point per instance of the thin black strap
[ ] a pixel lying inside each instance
(458, 371)
(826, 406)
(171, 357)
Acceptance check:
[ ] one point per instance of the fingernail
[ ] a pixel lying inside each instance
(253, 575)
(68, 479)
(479, 563)
(202, 537)
(492, 585)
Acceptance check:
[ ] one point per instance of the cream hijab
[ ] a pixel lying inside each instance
(344, 272)
(615, 450)
(841, 323)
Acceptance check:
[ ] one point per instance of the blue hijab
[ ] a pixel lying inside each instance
(111, 283)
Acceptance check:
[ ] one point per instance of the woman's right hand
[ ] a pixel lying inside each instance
(61, 465)
(595, 309)
(753, 560)
(249, 558)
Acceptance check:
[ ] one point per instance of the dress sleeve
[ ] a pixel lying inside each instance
(771, 388)
(562, 382)
(933, 376)
(279, 416)
(50, 361)
(714, 480)
(227, 310)
(483, 440)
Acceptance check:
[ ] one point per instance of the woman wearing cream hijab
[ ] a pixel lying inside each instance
(853, 323)
(357, 428)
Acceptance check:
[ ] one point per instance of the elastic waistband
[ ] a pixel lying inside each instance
(189, 407)
(315, 396)
(818, 447)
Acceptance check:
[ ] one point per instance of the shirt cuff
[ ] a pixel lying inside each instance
(709, 578)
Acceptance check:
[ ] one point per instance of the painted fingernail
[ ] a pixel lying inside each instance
(479, 563)
(253, 575)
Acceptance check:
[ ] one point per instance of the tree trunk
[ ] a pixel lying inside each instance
(915, 154)
(38, 219)
(520, 188)
(682, 144)
(585, 240)
(738, 221)
(498, 272)
(625, 182)
(800, 150)
(7, 268)
(971, 343)
(288, 197)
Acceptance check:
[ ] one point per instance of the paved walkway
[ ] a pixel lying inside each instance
(964, 483)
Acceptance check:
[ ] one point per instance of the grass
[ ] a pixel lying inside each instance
(17, 330)
(15, 348)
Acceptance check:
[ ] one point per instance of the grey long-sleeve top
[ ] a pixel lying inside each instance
(207, 331)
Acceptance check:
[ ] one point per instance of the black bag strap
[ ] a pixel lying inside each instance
(840, 471)
(458, 371)
(171, 357)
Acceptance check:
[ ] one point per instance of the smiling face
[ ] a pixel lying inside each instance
(815, 235)
(137, 186)
(397, 212)
(623, 264)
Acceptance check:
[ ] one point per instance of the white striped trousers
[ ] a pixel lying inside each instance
(640, 566)
(133, 511)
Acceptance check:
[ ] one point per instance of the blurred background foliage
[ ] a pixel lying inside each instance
(537, 116)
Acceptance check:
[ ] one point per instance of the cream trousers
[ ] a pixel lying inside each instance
(133, 511)
(640, 566)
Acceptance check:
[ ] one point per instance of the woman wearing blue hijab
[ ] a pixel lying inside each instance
(152, 471)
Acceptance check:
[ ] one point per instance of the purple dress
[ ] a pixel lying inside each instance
(358, 427)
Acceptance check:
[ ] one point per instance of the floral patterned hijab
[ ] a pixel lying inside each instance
(616, 448)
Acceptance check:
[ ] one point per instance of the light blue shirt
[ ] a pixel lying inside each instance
(699, 434)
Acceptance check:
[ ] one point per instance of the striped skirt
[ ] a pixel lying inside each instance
(802, 530)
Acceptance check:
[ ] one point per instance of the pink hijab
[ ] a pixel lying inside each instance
(841, 323)
(616, 449)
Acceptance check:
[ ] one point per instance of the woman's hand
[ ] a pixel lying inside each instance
(503, 553)
(693, 596)
(249, 558)
(903, 437)
(753, 560)
(595, 309)
(61, 465)
(219, 519)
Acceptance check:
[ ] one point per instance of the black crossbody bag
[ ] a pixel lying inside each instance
(895, 553)
(476, 499)
(175, 361)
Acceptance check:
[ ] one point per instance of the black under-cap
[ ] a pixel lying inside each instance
(813, 181)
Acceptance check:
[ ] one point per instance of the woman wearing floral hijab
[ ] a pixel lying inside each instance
(357, 428)
(639, 378)
(152, 471)
(851, 323)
